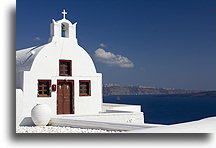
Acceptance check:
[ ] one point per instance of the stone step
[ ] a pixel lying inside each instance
(96, 124)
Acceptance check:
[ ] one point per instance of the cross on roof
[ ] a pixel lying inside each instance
(64, 13)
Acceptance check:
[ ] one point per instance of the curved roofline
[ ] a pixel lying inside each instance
(25, 57)
(65, 21)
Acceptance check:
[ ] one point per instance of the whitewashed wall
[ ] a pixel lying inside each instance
(117, 117)
(46, 66)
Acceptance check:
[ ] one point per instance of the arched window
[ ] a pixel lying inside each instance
(65, 30)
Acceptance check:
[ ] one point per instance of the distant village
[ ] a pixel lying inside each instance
(116, 89)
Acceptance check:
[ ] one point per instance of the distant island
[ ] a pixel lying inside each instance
(115, 89)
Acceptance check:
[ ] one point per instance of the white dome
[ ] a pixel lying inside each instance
(25, 58)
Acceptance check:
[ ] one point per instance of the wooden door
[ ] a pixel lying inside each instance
(65, 103)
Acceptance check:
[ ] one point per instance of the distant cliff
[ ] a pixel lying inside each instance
(111, 89)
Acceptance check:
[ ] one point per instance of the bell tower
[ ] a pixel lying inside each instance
(62, 29)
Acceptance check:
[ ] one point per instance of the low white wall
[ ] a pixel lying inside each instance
(206, 125)
(98, 125)
(117, 117)
(120, 107)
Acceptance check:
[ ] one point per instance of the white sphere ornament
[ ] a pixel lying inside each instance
(41, 114)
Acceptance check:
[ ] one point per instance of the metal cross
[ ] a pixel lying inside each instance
(64, 13)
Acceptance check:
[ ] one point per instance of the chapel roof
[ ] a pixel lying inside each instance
(25, 58)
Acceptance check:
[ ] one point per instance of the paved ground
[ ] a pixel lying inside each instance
(58, 129)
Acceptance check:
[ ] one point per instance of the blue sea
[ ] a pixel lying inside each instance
(169, 109)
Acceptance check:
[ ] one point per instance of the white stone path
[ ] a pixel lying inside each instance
(58, 129)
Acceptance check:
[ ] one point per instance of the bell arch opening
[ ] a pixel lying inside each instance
(65, 30)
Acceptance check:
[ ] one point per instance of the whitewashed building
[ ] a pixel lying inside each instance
(62, 75)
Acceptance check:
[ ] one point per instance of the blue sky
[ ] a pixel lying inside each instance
(154, 43)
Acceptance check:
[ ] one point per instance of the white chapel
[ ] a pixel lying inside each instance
(62, 75)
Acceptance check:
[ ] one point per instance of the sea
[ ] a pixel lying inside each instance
(168, 109)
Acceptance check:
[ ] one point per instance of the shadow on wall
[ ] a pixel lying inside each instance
(27, 121)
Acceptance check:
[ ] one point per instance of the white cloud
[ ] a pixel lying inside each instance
(113, 59)
(37, 39)
(102, 45)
